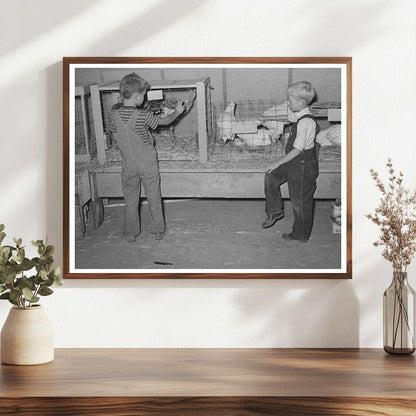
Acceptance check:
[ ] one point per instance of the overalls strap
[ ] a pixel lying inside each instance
(134, 152)
(308, 154)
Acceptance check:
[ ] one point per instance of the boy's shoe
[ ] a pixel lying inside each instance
(291, 237)
(159, 236)
(271, 219)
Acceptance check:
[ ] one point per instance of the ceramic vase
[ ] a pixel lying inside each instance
(27, 337)
(399, 316)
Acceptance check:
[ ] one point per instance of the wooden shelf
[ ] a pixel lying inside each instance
(212, 382)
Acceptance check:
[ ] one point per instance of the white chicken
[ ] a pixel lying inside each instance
(277, 127)
(225, 121)
(274, 119)
(279, 110)
(330, 136)
(239, 143)
(263, 137)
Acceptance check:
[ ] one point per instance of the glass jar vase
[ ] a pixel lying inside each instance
(399, 316)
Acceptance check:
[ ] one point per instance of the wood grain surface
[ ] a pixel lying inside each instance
(212, 382)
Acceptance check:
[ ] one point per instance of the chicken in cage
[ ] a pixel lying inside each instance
(162, 107)
(251, 129)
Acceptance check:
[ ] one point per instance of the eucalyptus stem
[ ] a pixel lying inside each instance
(35, 293)
(23, 279)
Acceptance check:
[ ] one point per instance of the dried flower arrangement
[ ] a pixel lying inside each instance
(396, 216)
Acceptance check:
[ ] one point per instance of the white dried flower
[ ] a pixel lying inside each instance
(396, 216)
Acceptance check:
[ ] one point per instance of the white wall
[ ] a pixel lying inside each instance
(380, 35)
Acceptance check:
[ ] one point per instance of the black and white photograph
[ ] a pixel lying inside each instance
(210, 167)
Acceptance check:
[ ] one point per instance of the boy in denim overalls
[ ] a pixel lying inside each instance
(299, 167)
(131, 126)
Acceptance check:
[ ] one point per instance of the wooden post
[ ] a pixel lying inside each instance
(202, 121)
(98, 123)
(84, 124)
(290, 77)
(83, 157)
(224, 87)
(96, 202)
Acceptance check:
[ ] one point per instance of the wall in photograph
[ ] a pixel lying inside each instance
(236, 84)
(380, 36)
(228, 84)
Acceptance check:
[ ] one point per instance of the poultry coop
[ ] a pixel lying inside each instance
(199, 156)
(249, 131)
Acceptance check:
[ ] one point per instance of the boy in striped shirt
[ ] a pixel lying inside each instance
(130, 125)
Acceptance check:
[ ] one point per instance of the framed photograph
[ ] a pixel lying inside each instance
(207, 167)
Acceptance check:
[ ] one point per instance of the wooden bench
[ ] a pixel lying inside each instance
(195, 180)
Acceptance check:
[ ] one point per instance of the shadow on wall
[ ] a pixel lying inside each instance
(375, 278)
(301, 314)
(309, 313)
(136, 30)
(4, 311)
(140, 27)
(351, 25)
(42, 16)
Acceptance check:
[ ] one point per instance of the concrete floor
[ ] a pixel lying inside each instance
(210, 234)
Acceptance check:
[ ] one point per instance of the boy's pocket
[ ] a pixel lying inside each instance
(313, 168)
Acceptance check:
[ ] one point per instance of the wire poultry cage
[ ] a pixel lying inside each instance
(172, 143)
(188, 138)
(249, 130)
(181, 142)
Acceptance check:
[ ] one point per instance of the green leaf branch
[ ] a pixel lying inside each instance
(16, 285)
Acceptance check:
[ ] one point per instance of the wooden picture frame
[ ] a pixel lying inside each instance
(91, 180)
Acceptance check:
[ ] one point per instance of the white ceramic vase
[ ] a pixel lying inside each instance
(27, 337)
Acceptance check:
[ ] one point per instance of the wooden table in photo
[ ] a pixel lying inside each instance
(212, 382)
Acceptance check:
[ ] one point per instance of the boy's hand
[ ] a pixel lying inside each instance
(272, 167)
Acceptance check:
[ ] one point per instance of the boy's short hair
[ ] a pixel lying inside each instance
(303, 90)
(132, 83)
